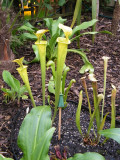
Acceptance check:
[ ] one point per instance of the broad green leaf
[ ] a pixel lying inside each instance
(51, 86)
(52, 65)
(23, 89)
(26, 36)
(83, 26)
(17, 84)
(25, 28)
(82, 35)
(53, 25)
(9, 93)
(35, 134)
(52, 41)
(24, 97)
(8, 78)
(49, 22)
(29, 25)
(78, 112)
(55, 28)
(4, 158)
(37, 57)
(87, 66)
(87, 156)
(113, 133)
(48, 6)
(61, 2)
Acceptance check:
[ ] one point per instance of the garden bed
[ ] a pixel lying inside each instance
(70, 136)
(104, 46)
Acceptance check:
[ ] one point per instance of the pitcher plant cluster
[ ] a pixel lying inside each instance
(36, 130)
(97, 112)
(61, 54)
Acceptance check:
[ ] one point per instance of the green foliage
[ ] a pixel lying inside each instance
(51, 83)
(87, 65)
(15, 42)
(35, 134)
(78, 113)
(53, 51)
(77, 11)
(87, 156)
(61, 2)
(54, 31)
(16, 90)
(83, 26)
(113, 133)
(6, 3)
(22, 34)
(26, 32)
(97, 115)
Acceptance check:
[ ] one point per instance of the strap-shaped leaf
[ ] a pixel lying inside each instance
(35, 134)
(113, 133)
(37, 57)
(25, 28)
(87, 156)
(87, 66)
(10, 80)
(53, 25)
(83, 26)
(29, 36)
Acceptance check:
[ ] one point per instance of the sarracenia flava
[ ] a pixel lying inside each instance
(42, 53)
(22, 70)
(61, 56)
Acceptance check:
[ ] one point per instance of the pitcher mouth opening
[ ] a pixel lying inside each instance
(41, 42)
(63, 40)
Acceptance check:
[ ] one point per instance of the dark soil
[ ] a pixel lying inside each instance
(104, 46)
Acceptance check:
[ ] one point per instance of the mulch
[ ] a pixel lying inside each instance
(103, 46)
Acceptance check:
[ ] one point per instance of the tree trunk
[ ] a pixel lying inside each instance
(6, 55)
(4, 36)
(116, 18)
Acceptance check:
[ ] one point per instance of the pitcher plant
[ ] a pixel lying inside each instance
(41, 44)
(61, 56)
(22, 70)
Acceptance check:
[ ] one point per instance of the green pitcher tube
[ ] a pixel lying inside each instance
(42, 53)
(22, 70)
(61, 56)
